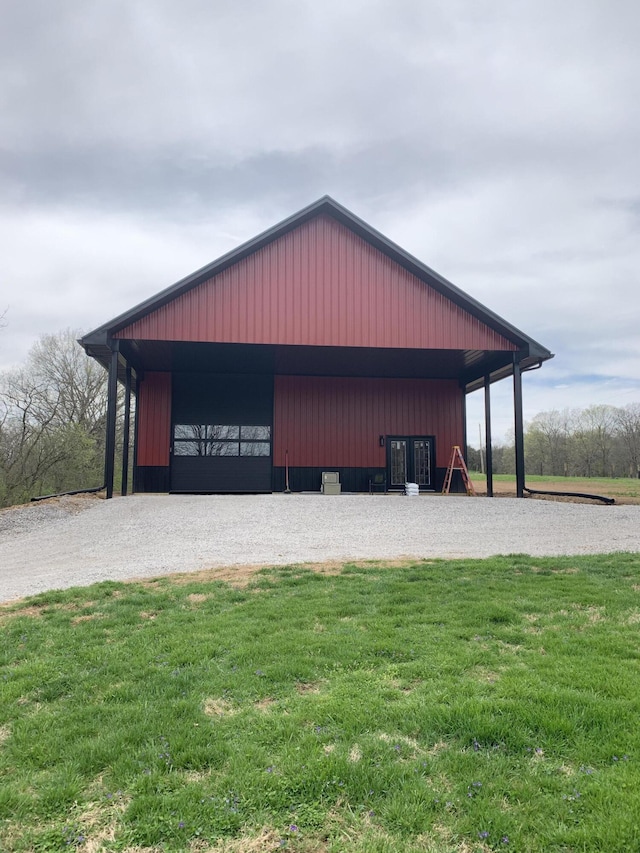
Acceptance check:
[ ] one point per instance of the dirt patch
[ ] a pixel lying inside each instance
(437, 748)
(308, 687)
(267, 840)
(264, 704)
(34, 611)
(355, 754)
(486, 676)
(219, 708)
(240, 576)
(31, 612)
(509, 648)
(402, 686)
(197, 598)
(5, 731)
(396, 740)
(88, 617)
(441, 833)
(197, 775)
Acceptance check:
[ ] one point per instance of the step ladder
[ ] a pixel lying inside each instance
(457, 463)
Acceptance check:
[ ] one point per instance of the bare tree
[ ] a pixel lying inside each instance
(546, 442)
(598, 426)
(52, 414)
(73, 387)
(627, 426)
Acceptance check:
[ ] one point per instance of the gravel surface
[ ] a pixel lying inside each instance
(74, 542)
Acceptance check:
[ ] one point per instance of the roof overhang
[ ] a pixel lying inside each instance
(467, 367)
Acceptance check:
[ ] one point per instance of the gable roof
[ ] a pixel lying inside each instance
(528, 348)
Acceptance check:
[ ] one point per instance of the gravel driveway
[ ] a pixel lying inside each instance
(70, 542)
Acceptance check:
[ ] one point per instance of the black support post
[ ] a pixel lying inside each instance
(465, 446)
(518, 426)
(135, 431)
(488, 459)
(112, 405)
(125, 431)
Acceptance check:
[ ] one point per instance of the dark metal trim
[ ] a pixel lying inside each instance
(72, 492)
(125, 432)
(465, 437)
(112, 403)
(609, 501)
(135, 433)
(518, 423)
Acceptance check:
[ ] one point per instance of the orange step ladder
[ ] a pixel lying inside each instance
(457, 463)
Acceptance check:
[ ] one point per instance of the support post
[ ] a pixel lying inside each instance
(518, 426)
(488, 457)
(125, 431)
(135, 431)
(465, 443)
(112, 405)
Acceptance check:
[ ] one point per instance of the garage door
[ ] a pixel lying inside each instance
(221, 433)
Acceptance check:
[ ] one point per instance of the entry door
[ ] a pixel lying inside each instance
(410, 459)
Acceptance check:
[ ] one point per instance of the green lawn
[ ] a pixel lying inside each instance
(436, 706)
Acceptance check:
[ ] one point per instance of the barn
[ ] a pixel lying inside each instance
(319, 345)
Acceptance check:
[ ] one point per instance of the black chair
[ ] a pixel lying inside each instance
(377, 481)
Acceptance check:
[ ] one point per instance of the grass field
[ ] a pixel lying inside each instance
(433, 706)
(623, 489)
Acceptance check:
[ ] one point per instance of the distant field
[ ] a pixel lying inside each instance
(624, 490)
(440, 706)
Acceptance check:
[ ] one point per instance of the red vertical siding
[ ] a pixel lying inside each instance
(154, 419)
(321, 285)
(337, 421)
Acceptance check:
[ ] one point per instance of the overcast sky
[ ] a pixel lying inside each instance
(496, 140)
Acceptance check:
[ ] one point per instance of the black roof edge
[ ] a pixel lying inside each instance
(328, 205)
(497, 372)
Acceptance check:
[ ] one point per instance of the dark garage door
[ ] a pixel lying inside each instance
(221, 433)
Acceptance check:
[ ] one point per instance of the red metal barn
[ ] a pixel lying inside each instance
(320, 344)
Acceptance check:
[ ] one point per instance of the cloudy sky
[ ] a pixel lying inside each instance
(496, 140)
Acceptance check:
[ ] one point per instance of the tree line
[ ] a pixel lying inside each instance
(53, 414)
(52, 421)
(598, 441)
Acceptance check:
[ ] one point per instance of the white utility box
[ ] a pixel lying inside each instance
(330, 483)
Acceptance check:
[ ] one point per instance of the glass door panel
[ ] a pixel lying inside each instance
(398, 462)
(422, 462)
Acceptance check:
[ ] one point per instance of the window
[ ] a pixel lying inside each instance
(255, 433)
(255, 448)
(221, 440)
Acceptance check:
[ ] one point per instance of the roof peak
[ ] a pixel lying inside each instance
(324, 204)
